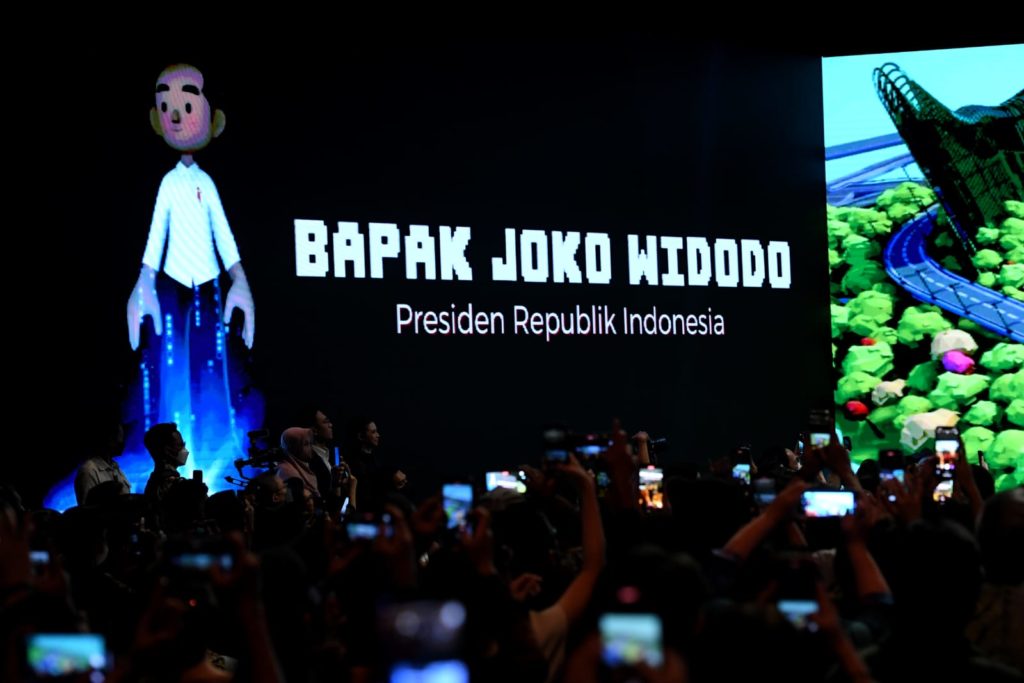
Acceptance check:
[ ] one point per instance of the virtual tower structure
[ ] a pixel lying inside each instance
(973, 156)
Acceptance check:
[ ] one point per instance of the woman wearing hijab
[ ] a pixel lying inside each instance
(296, 442)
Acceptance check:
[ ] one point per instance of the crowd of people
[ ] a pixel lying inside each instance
(326, 567)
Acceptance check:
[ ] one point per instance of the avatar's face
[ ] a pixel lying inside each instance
(184, 113)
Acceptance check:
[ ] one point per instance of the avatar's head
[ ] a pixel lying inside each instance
(182, 115)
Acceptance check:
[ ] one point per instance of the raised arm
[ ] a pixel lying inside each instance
(574, 601)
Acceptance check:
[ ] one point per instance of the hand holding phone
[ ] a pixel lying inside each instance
(797, 598)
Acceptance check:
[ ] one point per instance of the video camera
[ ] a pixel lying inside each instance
(259, 456)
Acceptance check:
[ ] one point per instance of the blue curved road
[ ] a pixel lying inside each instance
(912, 269)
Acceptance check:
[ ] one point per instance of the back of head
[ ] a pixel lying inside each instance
(707, 512)
(1001, 537)
(869, 475)
(649, 579)
(526, 537)
(937, 580)
(743, 642)
(227, 509)
(158, 438)
(266, 486)
(184, 505)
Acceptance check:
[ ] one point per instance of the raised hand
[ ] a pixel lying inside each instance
(903, 501)
(398, 549)
(428, 519)
(574, 472)
(142, 302)
(240, 297)
(525, 586)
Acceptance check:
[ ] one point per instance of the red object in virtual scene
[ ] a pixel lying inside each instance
(867, 341)
(855, 410)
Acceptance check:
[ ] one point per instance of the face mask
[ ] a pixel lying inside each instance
(181, 457)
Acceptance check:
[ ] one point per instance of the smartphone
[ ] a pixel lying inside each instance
(556, 455)
(820, 439)
(943, 492)
(798, 611)
(947, 450)
(764, 491)
(828, 503)
(361, 531)
(651, 495)
(504, 480)
(797, 599)
(40, 560)
(741, 472)
(629, 639)
(202, 561)
(50, 655)
(820, 426)
(444, 671)
(135, 543)
(197, 475)
(367, 527)
(458, 500)
(591, 450)
(890, 459)
(891, 467)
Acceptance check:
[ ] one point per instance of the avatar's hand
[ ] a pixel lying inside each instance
(240, 297)
(141, 303)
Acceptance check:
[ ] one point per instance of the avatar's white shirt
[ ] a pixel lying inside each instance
(188, 207)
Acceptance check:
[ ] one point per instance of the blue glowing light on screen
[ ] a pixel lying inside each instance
(214, 451)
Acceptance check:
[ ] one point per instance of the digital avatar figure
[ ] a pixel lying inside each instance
(186, 370)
